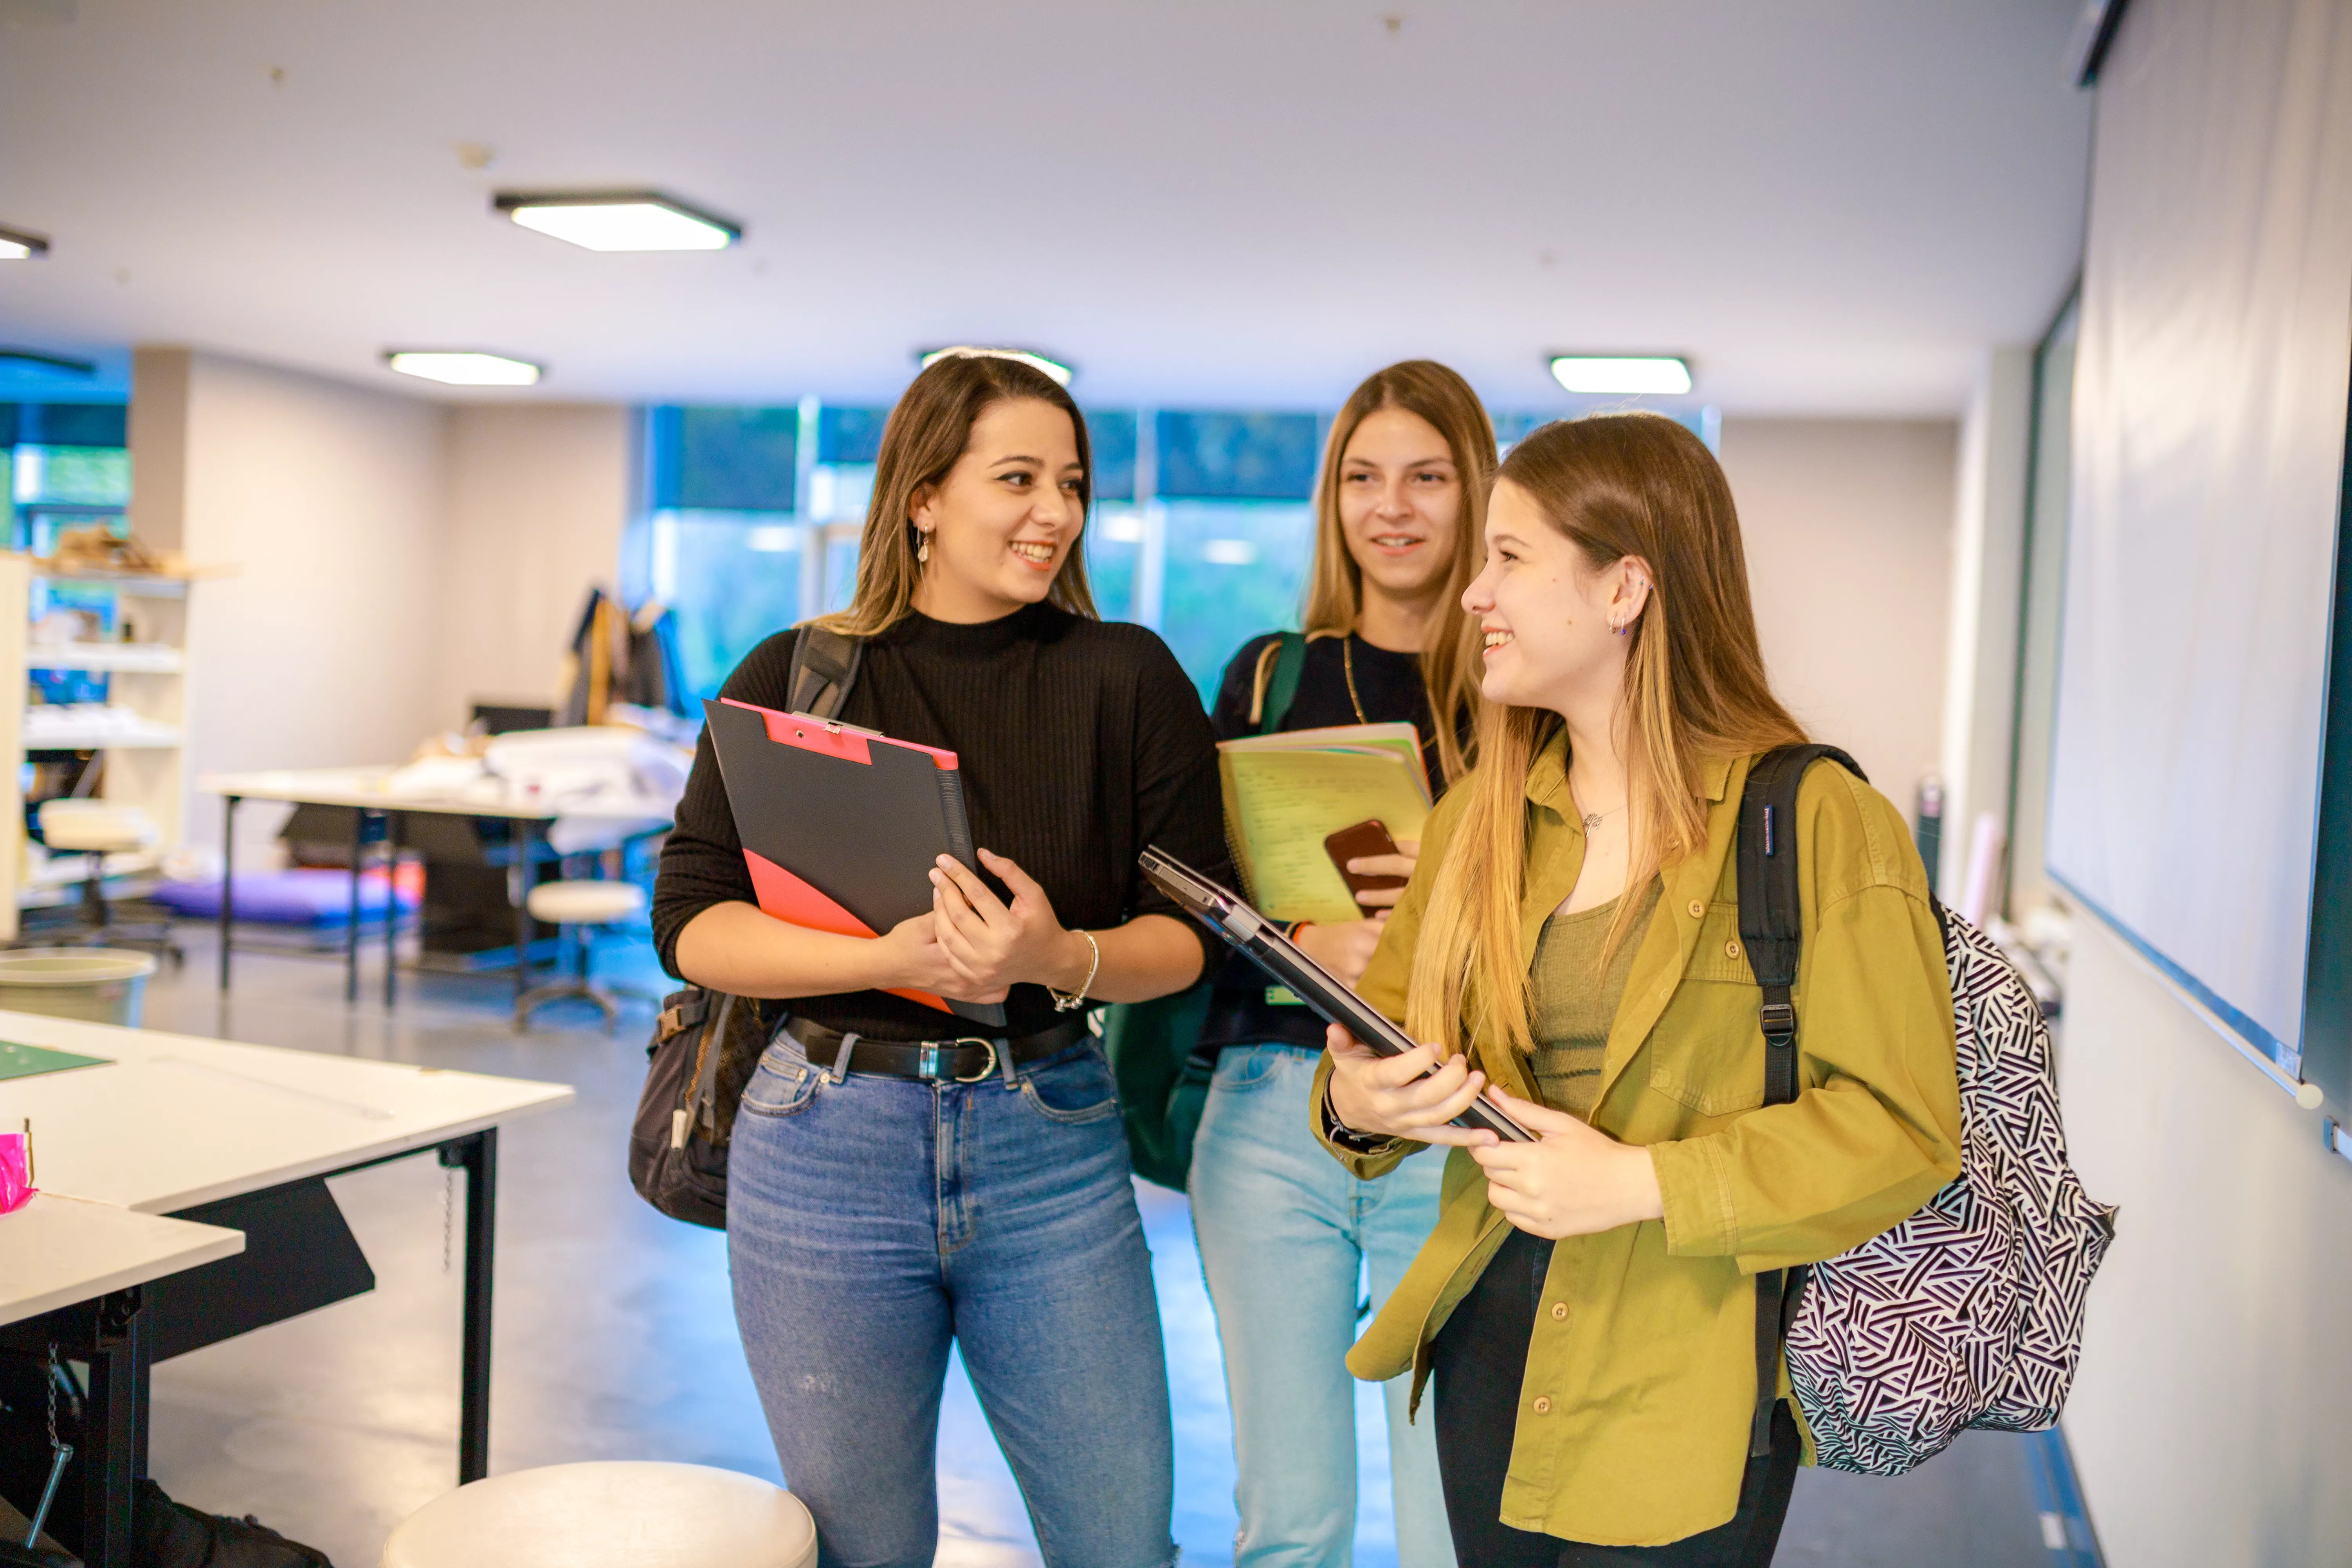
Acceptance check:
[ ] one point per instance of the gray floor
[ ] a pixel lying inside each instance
(615, 1339)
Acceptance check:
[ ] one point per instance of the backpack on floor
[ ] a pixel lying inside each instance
(1970, 1314)
(706, 1044)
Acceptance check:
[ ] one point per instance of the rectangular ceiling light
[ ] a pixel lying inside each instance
(1030, 357)
(621, 220)
(462, 368)
(1655, 375)
(17, 246)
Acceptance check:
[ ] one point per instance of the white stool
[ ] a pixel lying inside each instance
(611, 1514)
(95, 829)
(574, 906)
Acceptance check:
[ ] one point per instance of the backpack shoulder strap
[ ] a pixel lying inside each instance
(1772, 928)
(824, 666)
(1277, 684)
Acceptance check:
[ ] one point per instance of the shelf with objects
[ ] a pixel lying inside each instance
(94, 797)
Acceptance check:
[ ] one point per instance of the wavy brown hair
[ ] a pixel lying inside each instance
(927, 432)
(1615, 485)
(1335, 588)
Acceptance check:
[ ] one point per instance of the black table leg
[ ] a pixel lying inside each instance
(518, 886)
(228, 880)
(115, 1425)
(392, 826)
(351, 935)
(479, 1154)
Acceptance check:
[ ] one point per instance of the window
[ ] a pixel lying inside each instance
(65, 466)
(1202, 528)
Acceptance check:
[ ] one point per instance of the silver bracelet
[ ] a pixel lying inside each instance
(1069, 1001)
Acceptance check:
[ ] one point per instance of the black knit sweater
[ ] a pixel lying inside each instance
(1080, 742)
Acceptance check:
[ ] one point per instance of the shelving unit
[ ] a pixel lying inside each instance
(141, 763)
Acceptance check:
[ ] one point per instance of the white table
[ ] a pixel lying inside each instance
(56, 1251)
(242, 1135)
(363, 789)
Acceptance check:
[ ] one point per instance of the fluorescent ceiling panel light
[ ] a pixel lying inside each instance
(1030, 357)
(18, 245)
(621, 220)
(1655, 375)
(462, 368)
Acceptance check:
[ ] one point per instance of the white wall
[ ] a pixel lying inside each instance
(326, 498)
(2209, 1422)
(394, 558)
(538, 494)
(1848, 528)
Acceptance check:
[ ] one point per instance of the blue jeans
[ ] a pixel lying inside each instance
(1284, 1232)
(870, 1221)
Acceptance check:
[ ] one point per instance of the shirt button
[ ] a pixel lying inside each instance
(1543, 1406)
(1559, 1311)
(1731, 950)
(1698, 910)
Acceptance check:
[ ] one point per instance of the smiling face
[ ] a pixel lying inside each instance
(1546, 613)
(1400, 503)
(1005, 518)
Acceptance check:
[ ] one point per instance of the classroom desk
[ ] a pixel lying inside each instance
(244, 1136)
(362, 790)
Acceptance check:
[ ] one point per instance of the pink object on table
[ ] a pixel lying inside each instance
(17, 1187)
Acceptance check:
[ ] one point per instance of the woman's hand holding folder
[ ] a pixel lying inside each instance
(990, 943)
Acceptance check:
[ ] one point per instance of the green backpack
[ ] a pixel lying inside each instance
(1154, 1046)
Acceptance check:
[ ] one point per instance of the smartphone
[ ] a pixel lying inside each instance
(1366, 837)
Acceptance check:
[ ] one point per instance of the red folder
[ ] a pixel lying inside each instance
(841, 827)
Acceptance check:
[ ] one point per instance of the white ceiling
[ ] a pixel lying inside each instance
(1832, 205)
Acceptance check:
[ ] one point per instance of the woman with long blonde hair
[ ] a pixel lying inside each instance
(899, 1182)
(1570, 947)
(1283, 1233)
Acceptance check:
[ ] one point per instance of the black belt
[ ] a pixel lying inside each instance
(966, 1059)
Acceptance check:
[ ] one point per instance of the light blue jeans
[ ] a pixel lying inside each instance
(1285, 1232)
(872, 1220)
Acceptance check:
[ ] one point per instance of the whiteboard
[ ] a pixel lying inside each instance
(2208, 441)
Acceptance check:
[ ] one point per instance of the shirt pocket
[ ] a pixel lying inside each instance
(1706, 1051)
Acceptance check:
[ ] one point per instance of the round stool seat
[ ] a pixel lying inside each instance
(586, 903)
(610, 1514)
(96, 827)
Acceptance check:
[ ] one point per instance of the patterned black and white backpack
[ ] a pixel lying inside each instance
(1970, 1314)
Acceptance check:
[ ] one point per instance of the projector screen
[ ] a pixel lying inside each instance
(2209, 444)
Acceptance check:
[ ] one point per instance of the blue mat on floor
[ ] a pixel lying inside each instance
(305, 895)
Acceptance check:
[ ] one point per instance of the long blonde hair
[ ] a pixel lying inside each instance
(927, 432)
(1694, 692)
(1334, 590)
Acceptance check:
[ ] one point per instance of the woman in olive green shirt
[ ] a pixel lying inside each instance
(1570, 946)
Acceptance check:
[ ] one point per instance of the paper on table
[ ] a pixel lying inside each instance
(1282, 804)
(31, 1061)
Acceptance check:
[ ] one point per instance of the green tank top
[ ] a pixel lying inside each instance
(1575, 1001)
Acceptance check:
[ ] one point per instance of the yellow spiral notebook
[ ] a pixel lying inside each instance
(1284, 793)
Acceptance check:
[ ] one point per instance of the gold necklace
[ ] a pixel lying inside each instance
(1348, 663)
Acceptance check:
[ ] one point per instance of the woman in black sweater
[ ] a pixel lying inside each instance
(885, 1199)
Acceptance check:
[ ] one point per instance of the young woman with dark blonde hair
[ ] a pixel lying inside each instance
(1283, 1233)
(896, 1184)
(1570, 946)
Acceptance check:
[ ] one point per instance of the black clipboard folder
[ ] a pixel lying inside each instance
(1223, 911)
(841, 827)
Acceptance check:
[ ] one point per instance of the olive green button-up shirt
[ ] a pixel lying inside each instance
(1634, 1417)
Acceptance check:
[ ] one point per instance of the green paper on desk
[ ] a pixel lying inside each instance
(31, 1061)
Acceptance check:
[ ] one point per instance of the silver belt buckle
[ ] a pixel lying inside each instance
(990, 1045)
